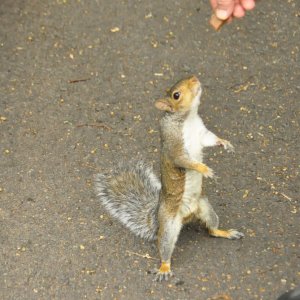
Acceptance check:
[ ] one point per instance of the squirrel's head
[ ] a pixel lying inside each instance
(182, 97)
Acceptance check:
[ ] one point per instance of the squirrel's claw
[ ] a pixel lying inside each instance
(161, 276)
(209, 173)
(235, 235)
(227, 145)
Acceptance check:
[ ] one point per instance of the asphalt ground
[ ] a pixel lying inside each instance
(78, 81)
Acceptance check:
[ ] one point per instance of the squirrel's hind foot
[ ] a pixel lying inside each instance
(235, 235)
(163, 273)
(231, 234)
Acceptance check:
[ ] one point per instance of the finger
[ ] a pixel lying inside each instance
(248, 4)
(238, 11)
(213, 4)
(224, 9)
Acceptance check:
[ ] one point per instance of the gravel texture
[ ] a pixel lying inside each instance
(78, 80)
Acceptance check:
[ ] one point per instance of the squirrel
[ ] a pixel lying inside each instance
(157, 210)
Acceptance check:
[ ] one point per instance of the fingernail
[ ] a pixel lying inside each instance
(222, 14)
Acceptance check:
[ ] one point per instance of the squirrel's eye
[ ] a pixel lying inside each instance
(176, 95)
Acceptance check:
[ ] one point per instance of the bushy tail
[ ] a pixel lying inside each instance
(132, 197)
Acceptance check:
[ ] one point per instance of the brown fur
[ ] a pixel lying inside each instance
(157, 210)
(187, 90)
(174, 163)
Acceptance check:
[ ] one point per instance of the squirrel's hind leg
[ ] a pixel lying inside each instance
(209, 217)
(169, 229)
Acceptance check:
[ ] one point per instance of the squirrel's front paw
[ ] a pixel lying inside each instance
(209, 173)
(226, 144)
(205, 170)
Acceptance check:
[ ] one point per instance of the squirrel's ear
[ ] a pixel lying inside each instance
(163, 104)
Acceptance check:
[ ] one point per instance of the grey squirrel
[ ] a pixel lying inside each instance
(157, 210)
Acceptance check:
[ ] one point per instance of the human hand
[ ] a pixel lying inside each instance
(227, 9)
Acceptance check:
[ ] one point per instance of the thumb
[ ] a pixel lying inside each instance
(224, 9)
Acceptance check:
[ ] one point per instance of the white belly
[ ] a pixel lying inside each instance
(192, 193)
(192, 132)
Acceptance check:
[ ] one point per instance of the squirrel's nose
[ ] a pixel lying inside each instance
(194, 79)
